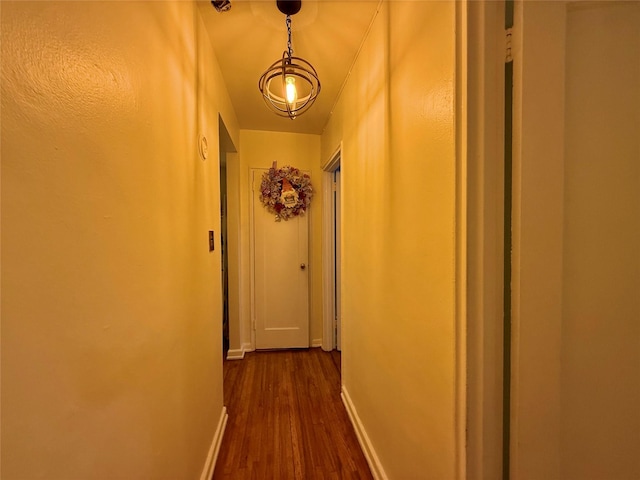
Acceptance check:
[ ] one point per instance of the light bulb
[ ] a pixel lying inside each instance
(290, 86)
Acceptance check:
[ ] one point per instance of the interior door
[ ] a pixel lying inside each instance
(280, 280)
(576, 241)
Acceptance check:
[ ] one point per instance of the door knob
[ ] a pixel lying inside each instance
(302, 266)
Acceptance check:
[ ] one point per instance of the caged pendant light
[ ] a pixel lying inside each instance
(290, 85)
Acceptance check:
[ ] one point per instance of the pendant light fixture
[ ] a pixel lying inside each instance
(290, 85)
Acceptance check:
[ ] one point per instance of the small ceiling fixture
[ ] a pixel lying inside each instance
(221, 5)
(290, 85)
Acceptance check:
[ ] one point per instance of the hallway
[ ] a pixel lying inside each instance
(489, 231)
(112, 285)
(286, 419)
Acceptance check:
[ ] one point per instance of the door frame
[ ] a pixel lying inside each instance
(538, 158)
(252, 262)
(480, 145)
(328, 251)
(544, 335)
(252, 256)
(232, 245)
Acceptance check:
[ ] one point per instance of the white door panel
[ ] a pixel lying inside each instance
(280, 277)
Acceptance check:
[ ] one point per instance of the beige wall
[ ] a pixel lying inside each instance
(576, 230)
(601, 283)
(259, 150)
(111, 310)
(396, 121)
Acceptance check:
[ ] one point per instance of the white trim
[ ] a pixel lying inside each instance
(316, 342)
(337, 249)
(365, 443)
(537, 233)
(252, 259)
(235, 251)
(483, 113)
(462, 155)
(214, 449)
(235, 354)
(328, 260)
(238, 354)
(334, 160)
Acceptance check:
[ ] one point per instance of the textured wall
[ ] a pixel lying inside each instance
(396, 120)
(111, 310)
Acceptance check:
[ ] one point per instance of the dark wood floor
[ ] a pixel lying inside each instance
(286, 419)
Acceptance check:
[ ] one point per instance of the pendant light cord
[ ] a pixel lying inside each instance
(289, 71)
(289, 47)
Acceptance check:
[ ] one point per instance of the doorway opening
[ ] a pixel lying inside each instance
(225, 147)
(331, 232)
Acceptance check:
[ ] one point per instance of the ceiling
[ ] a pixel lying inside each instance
(252, 35)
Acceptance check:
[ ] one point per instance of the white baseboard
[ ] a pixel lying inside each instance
(238, 354)
(316, 342)
(210, 463)
(367, 448)
(235, 354)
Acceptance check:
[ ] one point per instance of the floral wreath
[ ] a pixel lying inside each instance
(286, 192)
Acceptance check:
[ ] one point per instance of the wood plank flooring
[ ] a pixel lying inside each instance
(286, 419)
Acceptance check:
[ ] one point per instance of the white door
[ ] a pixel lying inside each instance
(280, 276)
(576, 241)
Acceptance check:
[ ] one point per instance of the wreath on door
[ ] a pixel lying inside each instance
(286, 192)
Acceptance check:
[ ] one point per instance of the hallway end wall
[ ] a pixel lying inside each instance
(259, 150)
(111, 302)
(396, 121)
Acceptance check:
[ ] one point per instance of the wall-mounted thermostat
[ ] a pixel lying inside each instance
(203, 147)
